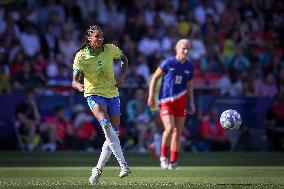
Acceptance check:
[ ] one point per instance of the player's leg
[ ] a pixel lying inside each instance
(113, 110)
(106, 151)
(175, 141)
(94, 101)
(98, 106)
(110, 134)
(168, 123)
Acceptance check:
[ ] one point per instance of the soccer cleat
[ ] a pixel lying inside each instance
(173, 166)
(96, 174)
(164, 162)
(125, 170)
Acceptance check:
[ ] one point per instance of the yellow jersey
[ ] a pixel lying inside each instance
(98, 70)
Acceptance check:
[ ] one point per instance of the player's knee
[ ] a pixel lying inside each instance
(99, 112)
(169, 130)
(176, 132)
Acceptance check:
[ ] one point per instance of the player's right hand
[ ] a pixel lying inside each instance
(151, 103)
(80, 87)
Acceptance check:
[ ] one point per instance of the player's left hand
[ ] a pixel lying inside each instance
(191, 108)
(119, 80)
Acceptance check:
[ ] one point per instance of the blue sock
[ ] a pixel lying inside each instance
(105, 123)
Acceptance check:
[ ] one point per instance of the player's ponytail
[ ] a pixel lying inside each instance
(89, 31)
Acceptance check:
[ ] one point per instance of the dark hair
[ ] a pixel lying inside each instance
(89, 31)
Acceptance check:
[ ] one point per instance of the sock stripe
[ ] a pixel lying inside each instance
(105, 123)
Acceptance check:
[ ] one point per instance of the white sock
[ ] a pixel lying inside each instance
(105, 155)
(114, 144)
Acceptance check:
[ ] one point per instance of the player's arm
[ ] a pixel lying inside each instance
(123, 67)
(124, 64)
(191, 96)
(77, 73)
(76, 81)
(153, 83)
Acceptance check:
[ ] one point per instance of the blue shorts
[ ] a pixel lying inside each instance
(111, 104)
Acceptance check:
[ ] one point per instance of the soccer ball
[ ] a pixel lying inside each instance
(230, 119)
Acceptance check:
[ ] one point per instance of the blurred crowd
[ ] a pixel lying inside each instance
(237, 45)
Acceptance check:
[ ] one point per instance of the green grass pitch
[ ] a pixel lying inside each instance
(211, 170)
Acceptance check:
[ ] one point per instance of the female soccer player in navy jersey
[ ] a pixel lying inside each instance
(176, 72)
(95, 60)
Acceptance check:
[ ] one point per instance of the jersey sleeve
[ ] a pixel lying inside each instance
(164, 65)
(77, 65)
(116, 52)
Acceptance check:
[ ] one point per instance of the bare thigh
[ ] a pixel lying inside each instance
(168, 122)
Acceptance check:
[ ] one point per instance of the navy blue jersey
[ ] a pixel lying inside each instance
(175, 78)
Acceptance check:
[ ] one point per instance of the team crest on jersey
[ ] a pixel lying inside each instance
(186, 71)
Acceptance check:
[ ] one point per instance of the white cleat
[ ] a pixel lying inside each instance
(164, 162)
(125, 171)
(96, 174)
(173, 166)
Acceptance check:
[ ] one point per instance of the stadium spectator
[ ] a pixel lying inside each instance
(268, 87)
(5, 86)
(139, 117)
(280, 81)
(27, 119)
(230, 18)
(176, 88)
(26, 79)
(63, 128)
(197, 48)
(275, 124)
(29, 40)
(230, 84)
(229, 45)
(249, 85)
(4, 81)
(67, 46)
(149, 45)
(238, 62)
(212, 133)
(211, 64)
(16, 65)
(49, 42)
(142, 68)
(132, 79)
(84, 131)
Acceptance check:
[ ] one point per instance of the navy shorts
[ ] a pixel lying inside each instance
(111, 104)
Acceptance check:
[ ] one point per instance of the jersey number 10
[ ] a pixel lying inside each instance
(178, 79)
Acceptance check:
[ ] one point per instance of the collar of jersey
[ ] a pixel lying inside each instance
(91, 53)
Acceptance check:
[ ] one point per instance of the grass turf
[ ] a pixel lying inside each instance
(72, 170)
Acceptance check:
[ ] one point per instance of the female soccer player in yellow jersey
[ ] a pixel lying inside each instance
(95, 61)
